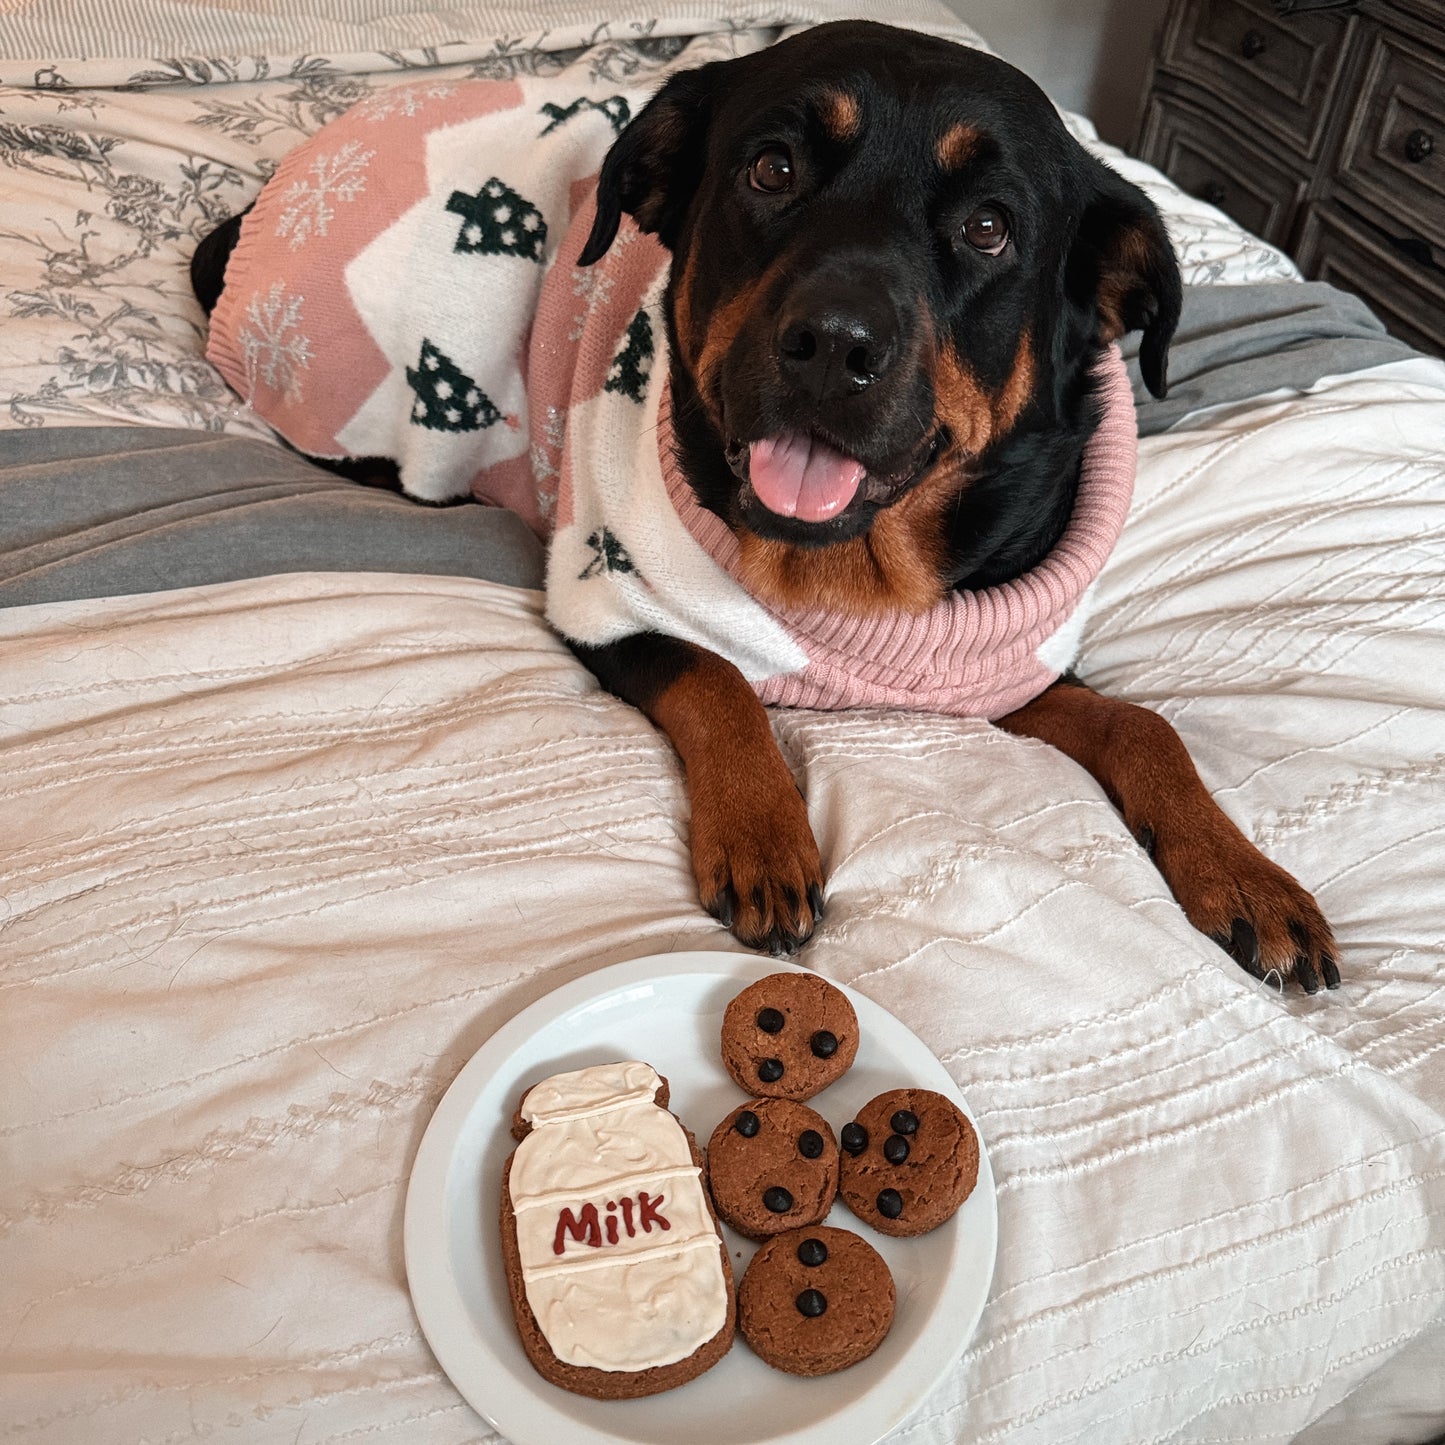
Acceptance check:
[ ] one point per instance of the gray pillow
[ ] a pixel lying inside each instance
(103, 511)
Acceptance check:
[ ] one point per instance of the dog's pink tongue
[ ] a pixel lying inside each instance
(796, 476)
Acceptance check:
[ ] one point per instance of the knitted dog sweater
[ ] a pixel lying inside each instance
(405, 287)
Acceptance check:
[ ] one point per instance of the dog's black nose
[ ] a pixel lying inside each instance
(832, 343)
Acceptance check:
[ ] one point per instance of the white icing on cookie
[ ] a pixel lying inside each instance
(590, 1091)
(620, 1256)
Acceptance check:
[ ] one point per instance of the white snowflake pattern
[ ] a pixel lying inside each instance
(594, 285)
(310, 202)
(404, 100)
(547, 460)
(273, 347)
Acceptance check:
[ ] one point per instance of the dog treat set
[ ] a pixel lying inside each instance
(617, 1270)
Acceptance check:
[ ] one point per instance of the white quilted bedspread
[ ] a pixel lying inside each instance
(282, 854)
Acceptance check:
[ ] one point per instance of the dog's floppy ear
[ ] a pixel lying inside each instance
(656, 164)
(1122, 263)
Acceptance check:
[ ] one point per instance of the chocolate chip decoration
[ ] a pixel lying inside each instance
(919, 1165)
(796, 1023)
(772, 1165)
(812, 1252)
(895, 1148)
(854, 1138)
(812, 1302)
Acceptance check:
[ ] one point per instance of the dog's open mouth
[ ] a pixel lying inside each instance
(797, 475)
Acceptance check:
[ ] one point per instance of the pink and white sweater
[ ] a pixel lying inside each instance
(405, 287)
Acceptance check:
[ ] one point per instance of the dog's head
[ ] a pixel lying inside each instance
(889, 259)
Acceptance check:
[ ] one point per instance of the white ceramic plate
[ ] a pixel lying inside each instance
(667, 1010)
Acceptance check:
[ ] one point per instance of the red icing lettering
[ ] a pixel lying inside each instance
(649, 1211)
(585, 1228)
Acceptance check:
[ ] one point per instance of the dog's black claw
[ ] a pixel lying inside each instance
(1304, 970)
(1145, 838)
(1230, 943)
(815, 901)
(1330, 971)
(1244, 946)
(726, 907)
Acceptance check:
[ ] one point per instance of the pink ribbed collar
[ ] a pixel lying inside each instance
(973, 653)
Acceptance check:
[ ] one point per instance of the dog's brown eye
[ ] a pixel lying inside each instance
(986, 230)
(772, 171)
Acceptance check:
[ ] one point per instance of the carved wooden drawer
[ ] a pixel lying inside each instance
(1409, 297)
(1280, 71)
(1394, 150)
(1211, 161)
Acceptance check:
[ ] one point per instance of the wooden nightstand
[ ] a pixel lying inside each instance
(1320, 127)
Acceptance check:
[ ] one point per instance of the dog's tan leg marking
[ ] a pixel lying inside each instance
(753, 851)
(1229, 891)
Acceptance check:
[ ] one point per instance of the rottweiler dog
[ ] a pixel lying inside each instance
(892, 243)
(893, 275)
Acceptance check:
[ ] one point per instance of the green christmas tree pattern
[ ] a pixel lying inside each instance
(447, 399)
(633, 364)
(498, 222)
(608, 555)
(615, 108)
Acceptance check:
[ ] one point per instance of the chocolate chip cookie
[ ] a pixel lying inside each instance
(789, 1036)
(772, 1165)
(815, 1300)
(910, 1159)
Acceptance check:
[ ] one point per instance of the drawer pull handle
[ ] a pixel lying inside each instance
(1420, 252)
(1213, 193)
(1252, 45)
(1418, 145)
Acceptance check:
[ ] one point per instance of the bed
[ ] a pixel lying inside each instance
(303, 801)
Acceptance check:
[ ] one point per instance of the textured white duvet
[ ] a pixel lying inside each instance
(281, 854)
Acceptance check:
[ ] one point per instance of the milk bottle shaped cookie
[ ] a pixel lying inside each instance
(618, 1275)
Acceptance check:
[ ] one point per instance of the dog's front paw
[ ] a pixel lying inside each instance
(1255, 911)
(756, 862)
